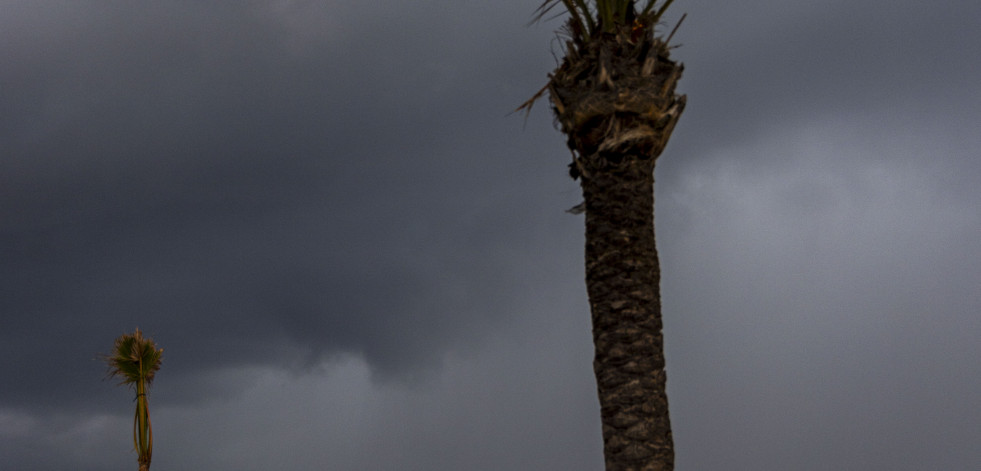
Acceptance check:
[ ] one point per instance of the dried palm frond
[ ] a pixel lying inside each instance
(591, 17)
(629, 33)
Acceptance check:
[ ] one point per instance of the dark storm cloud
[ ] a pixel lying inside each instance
(297, 199)
(201, 171)
(764, 64)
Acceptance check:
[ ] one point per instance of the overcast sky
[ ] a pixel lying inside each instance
(356, 259)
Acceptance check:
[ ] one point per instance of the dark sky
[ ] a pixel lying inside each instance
(355, 258)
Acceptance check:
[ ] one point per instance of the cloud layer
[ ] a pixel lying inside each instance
(354, 258)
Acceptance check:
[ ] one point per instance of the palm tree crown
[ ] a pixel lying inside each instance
(597, 16)
(136, 360)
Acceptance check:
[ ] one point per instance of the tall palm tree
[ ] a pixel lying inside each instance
(614, 96)
(136, 360)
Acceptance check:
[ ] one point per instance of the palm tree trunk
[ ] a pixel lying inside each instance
(622, 279)
(614, 96)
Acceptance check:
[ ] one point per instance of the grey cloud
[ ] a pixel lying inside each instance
(277, 191)
(194, 167)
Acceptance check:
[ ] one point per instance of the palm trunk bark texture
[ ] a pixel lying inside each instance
(614, 97)
(622, 279)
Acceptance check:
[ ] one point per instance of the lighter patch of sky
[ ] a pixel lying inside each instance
(28, 438)
(498, 406)
(818, 286)
(15, 423)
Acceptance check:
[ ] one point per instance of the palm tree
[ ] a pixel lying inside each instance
(614, 97)
(136, 360)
